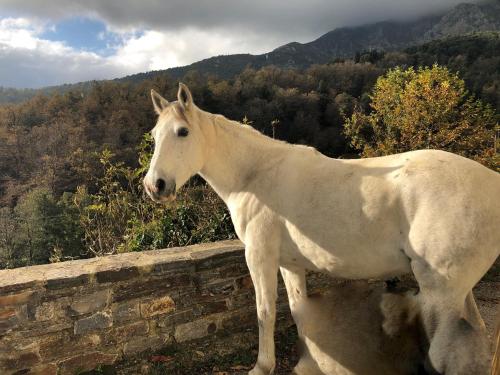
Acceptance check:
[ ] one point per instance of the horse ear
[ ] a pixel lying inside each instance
(184, 96)
(159, 102)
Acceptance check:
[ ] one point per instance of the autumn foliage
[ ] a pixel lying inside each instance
(427, 108)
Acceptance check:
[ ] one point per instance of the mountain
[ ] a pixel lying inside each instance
(466, 18)
(339, 43)
(346, 41)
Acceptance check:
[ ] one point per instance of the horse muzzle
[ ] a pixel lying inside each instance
(161, 191)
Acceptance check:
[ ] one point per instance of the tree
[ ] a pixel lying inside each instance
(33, 212)
(8, 249)
(47, 228)
(425, 108)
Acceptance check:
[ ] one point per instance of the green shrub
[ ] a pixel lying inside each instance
(119, 217)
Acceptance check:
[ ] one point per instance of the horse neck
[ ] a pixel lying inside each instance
(239, 155)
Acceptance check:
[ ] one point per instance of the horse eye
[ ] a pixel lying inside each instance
(182, 132)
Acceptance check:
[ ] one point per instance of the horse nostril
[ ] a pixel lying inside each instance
(160, 185)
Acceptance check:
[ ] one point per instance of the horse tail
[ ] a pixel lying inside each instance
(399, 310)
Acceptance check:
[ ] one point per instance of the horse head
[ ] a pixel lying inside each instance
(179, 145)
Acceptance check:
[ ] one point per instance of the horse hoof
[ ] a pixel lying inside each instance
(261, 370)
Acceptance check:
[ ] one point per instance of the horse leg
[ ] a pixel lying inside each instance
(263, 266)
(295, 283)
(296, 289)
(472, 312)
(457, 347)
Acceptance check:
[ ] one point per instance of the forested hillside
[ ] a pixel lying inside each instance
(70, 160)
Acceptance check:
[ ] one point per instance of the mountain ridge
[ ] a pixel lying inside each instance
(344, 42)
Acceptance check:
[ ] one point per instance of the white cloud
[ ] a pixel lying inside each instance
(295, 19)
(28, 60)
(150, 34)
(150, 51)
(19, 33)
(154, 50)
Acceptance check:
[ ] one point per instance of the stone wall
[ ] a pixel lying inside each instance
(70, 317)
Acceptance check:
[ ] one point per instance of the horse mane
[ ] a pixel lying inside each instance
(222, 121)
(251, 132)
(177, 109)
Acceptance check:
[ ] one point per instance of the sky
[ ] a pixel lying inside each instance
(51, 42)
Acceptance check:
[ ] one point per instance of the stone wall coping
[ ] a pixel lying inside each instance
(142, 262)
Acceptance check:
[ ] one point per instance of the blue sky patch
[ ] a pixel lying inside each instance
(83, 34)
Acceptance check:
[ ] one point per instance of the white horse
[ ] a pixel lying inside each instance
(431, 213)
